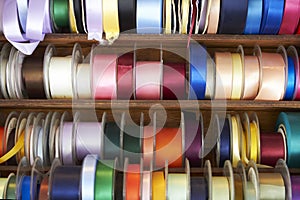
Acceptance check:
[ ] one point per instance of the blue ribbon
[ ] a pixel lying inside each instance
(253, 16)
(25, 188)
(199, 188)
(198, 71)
(224, 143)
(149, 16)
(272, 16)
(291, 81)
(291, 122)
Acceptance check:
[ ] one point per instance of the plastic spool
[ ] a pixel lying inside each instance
(240, 128)
(246, 128)
(208, 177)
(11, 178)
(228, 172)
(10, 124)
(37, 137)
(240, 50)
(257, 52)
(182, 127)
(21, 124)
(50, 51)
(282, 130)
(28, 135)
(102, 136)
(216, 129)
(281, 50)
(54, 124)
(10, 74)
(253, 118)
(76, 119)
(253, 176)
(46, 139)
(36, 177)
(292, 52)
(282, 168)
(19, 85)
(232, 143)
(202, 138)
(77, 58)
(211, 71)
(22, 171)
(150, 171)
(56, 162)
(4, 57)
(124, 177)
(154, 138)
(242, 172)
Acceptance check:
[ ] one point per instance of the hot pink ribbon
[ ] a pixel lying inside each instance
(290, 17)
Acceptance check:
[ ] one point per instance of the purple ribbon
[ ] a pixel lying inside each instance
(94, 19)
(295, 181)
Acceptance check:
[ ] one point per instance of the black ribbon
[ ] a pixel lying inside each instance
(127, 15)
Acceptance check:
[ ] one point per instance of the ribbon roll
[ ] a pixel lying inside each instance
(237, 76)
(93, 12)
(104, 180)
(60, 15)
(220, 188)
(238, 187)
(149, 16)
(148, 80)
(199, 188)
(25, 188)
(174, 81)
(271, 186)
(111, 19)
(132, 143)
(66, 143)
(72, 19)
(118, 185)
(235, 141)
(198, 71)
(254, 15)
(148, 143)
(88, 139)
(233, 16)
(10, 192)
(78, 11)
(43, 193)
(88, 175)
(225, 151)
(213, 19)
(272, 16)
(289, 20)
(177, 187)
(83, 78)
(125, 76)
(295, 182)
(291, 79)
(252, 74)
(146, 190)
(254, 150)
(289, 122)
(223, 75)
(65, 183)
(272, 84)
(133, 182)
(158, 186)
(127, 15)
(104, 77)
(112, 146)
(169, 147)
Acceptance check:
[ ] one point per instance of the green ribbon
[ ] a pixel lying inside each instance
(291, 122)
(104, 180)
(132, 143)
(60, 14)
(111, 141)
(11, 188)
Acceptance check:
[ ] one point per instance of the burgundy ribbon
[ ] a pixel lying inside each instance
(125, 76)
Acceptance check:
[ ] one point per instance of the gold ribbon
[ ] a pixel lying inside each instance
(168, 16)
(253, 142)
(111, 19)
(235, 142)
(72, 18)
(184, 15)
(158, 186)
(271, 186)
(237, 76)
(18, 146)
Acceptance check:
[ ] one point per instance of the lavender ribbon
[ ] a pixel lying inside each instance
(94, 19)
(11, 29)
(22, 12)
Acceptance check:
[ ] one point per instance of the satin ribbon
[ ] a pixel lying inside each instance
(88, 175)
(125, 76)
(83, 77)
(111, 20)
(111, 145)
(272, 16)
(72, 19)
(148, 80)
(146, 190)
(177, 187)
(60, 15)
(169, 147)
(254, 149)
(43, 193)
(199, 188)
(290, 123)
(93, 13)
(158, 186)
(252, 75)
(127, 15)
(148, 145)
(66, 143)
(238, 187)
(78, 7)
(174, 81)
(237, 76)
(168, 16)
(213, 19)
(235, 141)
(254, 16)
(11, 29)
(133, 182)
(233, 16)
(295, 182)
(118, 185)
(220, 188)
(198, 71)
(289, 21)
(12, 152)
(210, 79)
(88, 139)
(132, 143)
(2, 141)
(105, 76)
(25, 188)
(22, 13)
(225, 153)
(297, 87)
(149, 16)
(223, 75)
(291, 80)
(272, 77)
(65, 183)
(104, 180)
(271, 186)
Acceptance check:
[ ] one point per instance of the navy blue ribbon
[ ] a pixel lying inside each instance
(272, 16)
(224, 143)
(254, 16)
(199, 188)
(291, 81)
(198, 71)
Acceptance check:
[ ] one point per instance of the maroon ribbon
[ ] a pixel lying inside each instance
(125, 76)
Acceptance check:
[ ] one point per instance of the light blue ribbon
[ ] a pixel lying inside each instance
(254, 16)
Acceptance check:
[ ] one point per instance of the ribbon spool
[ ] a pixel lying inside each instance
(64, 181)
(210, 79)
(4, 57)
(293, 53)
(49, 53)
(19, 84)
(10, 187)
(246, 146)
(20, 128)
(194, 129)
(132, 144)
(88, 175)
(28, 133)
(235, 139)
(148, 144)
(253, 181)
(282, 168)
(10, 75)
(281, 50)
(105, 179)
(112, 140)
(131, 180)
(177, 184)
(125, 74)
(23, 180)
(223, 150)
(146, 181)
(3, 182)
(44, 187)
(254, 128)
(54, 124)
(158, 185)
(36, 178)
(83, 83)
(46, 139)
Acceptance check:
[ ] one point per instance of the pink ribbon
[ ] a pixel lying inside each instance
(94, 19)
(11, 29)
(290, 17)
(105, 77)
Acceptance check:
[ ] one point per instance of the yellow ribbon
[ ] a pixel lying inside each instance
(168, 16)
(111, 19)
(158, 186)
(237, 79)
(18, 146)
(244, 148)
(185, 15)
(253, 142)
(72, 18)
(235, 142)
